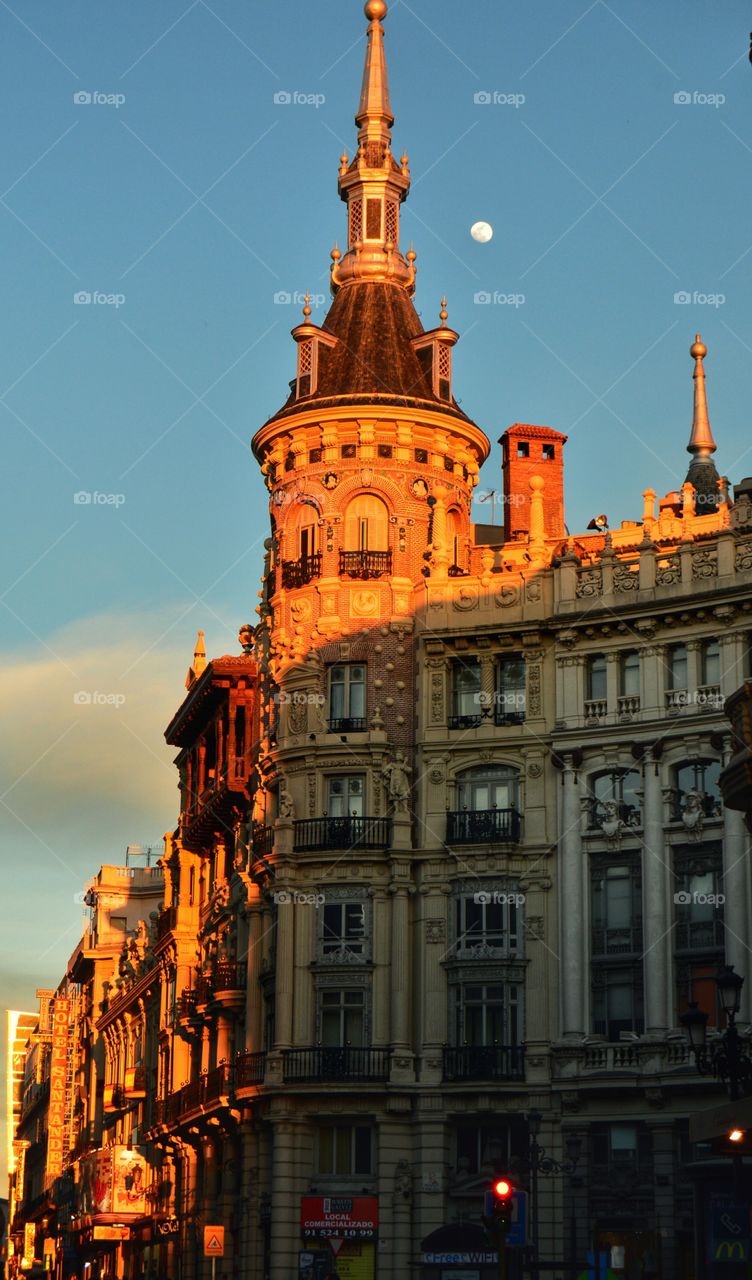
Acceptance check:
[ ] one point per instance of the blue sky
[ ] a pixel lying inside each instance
(186, 197)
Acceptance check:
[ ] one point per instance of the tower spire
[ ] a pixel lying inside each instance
(702, 473)
(199, 661)
(373, 184)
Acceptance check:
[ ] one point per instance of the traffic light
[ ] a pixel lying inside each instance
(502, 1198)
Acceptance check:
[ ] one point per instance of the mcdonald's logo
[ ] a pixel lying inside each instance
(729, 1250)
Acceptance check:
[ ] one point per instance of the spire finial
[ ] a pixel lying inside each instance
(307, 308)
(376, 10)
(701, 442)
(199, 661)
(374, 118)
(443, 314)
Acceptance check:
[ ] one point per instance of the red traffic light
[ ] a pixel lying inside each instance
(502, 1189)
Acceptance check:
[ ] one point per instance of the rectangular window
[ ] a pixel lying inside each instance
(483, 1146)
(373, 220)
(629, 675)
(617, 999)
(347, 698)
(307, 541)
(421, 455)
(616, 908)
(344, 928)
(678, 678)
(487, 1015)
(711, 662)
(494, 921)
(510, 699)
(342, 1018)
(466, 703)
(523, 449)
(549, 453)
(345, 796)
(597, 677)
(345, 1150)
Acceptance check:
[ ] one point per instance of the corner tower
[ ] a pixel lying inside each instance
(370, 463)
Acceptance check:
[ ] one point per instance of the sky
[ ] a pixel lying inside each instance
(169, 185)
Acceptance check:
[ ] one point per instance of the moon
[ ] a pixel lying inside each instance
(482, 232)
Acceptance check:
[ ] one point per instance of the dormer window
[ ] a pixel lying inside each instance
(305, 367)
(309, 339)
(434, 350)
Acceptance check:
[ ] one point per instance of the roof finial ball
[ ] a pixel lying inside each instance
(698, 350)
(376, 10)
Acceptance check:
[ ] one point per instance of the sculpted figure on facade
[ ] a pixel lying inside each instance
(396, 775)
(692, 814)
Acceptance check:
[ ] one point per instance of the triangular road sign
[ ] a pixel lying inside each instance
(214, 1242)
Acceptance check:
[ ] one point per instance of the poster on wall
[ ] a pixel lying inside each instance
(95, 1182)
(128, 1180)
(356, 1261)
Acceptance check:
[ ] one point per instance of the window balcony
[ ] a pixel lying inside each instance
(484, 826)
(709, 697)
(628, 705)
(229, 976)
(503, 717)
(166, 921)
(485, 1062)
(296, 573)
(113, 1097)
(466, 722)
(262, 840)
(365, 564)
(676, 699)
(596, 709)
(249, 1069)
(324, 1063)
(135, 1082)
(348, 724)
(315, 834)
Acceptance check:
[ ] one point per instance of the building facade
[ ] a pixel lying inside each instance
(452, 851)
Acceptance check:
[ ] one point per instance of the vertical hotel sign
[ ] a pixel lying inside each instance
(58, 1076)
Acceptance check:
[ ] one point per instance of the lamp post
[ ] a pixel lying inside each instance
(727, 1058)
(536, 1163)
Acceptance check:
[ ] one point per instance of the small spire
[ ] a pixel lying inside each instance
(199, 662)
(701, 442)
(374, 118)
(307, 308)
(443, 314)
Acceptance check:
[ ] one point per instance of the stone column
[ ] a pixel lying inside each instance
(380, 987)
(652, 679)
(253, 995)
(487, 700)
(693, 670)
(433, 993)
(400, 971)
(735, 887)
(224, 1038)
(612, 682)
(285, 1220)
(305, 951)
(206, 1046)
(732, 662)
(656, 912)
(285, 972)
(572, 878)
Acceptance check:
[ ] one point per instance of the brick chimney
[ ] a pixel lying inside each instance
(532, 451)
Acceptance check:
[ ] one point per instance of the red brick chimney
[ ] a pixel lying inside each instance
(532, 451)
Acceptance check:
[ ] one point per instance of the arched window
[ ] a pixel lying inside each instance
(367, 524)
(614, 799)
(698, 789)
(302, 556)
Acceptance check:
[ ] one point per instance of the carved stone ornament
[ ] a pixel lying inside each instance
(436, 930)
(466, 598)
(507, 596)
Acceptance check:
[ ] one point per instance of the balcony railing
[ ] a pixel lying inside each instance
(365, 564)
(262, 840)
(348, 724)
(249, 1069)
(186, 1005)
(483, 826)
(485, 1062)
(229, 977)
(335, 1063)
(628, 704)
(296, 573)
(466, 722)
(596, 709)
(696, 935)
(166, 921)
(313, 834)
(198, 1094)
(612, 942)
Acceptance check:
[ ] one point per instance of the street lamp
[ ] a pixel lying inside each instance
(538, 1162)
(727, 1058)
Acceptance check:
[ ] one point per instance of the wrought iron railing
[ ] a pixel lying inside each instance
(324, 1062)
(312, 834)
(166, 921)
(348, 724)
(483, 826)
(229, 977)
(485, 1062)
(365, 564)
(296, 573)
(262, 840)
(249, 1069)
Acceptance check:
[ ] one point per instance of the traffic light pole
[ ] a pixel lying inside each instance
(501, 1245)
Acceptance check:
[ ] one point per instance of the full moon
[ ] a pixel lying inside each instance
(482, 232)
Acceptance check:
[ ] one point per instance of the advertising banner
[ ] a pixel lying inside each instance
(95, 1182)
(128, 1181)
(57, 1146)
(339, 1217)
